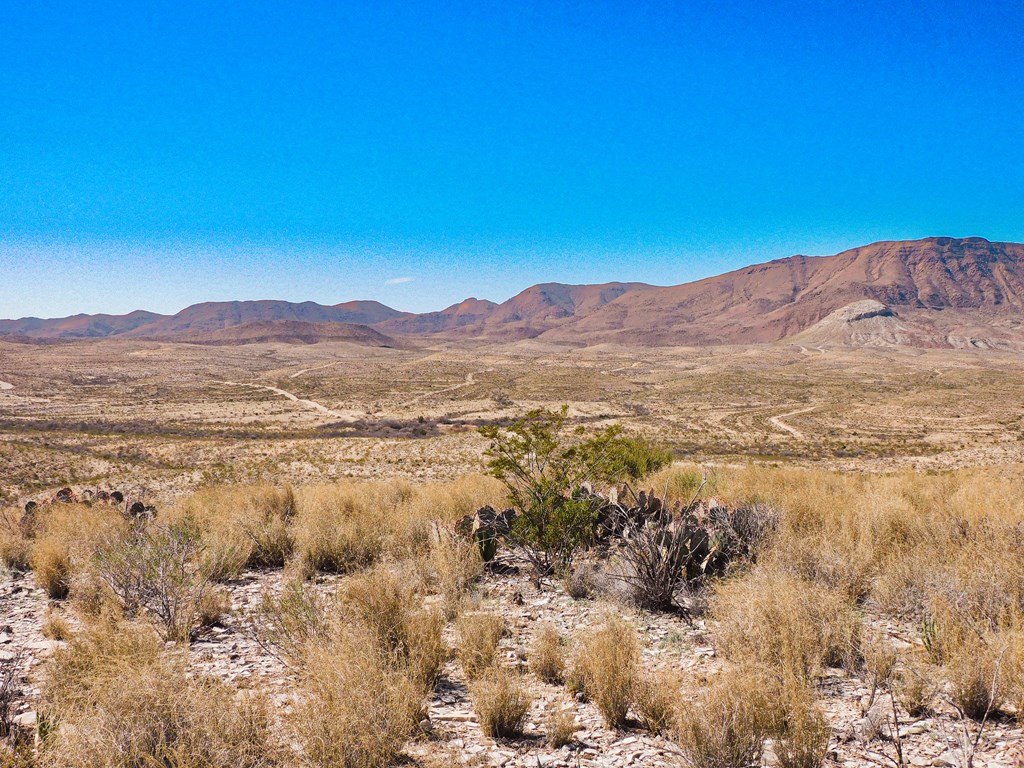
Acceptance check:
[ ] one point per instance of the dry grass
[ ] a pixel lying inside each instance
(546, 657)
(56, 627)
(242, 526)
(608, 668)
(15, 546)
(214, 607)
(803, 733)
(455, 564)
(501, 702)
(356, 710)
(561, 725)
(913, 683)
(727, 723)
(51, 565)
(65, 539)
(479, 635)
(118, 699)
(387, 603)
(786, 623)
(657, 700)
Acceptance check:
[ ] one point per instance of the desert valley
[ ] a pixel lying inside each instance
(841, 439)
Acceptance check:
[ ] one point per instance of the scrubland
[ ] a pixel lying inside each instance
(876, 619)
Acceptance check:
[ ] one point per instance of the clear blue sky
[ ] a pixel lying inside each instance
(157, 154)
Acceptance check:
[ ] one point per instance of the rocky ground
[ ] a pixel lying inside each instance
(230, 653)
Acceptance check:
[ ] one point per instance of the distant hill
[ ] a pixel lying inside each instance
(211, 316)
(289, 332)
(77, 326)
(939, 291)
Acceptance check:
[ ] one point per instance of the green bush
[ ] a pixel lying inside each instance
(542, 463)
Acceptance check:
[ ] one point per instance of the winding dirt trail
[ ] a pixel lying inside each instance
(470, 381)
(778, 423)
(344, 415)
(315, 368)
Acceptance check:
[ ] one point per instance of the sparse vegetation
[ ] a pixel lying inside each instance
(500, 701)
(547, 657)
(608, 668)
(479, 635)
(362, 635)
(115, 697)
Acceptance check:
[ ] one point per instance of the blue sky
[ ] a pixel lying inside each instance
(157, 154)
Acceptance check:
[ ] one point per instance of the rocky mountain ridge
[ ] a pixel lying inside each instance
(940, 291)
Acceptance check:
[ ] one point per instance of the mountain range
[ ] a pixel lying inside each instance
(935, 292)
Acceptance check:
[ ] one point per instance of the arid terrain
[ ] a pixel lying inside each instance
(294, 585)
(171, 417)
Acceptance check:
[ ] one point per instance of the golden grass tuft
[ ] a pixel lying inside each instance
(727, 723)
(501, 702)
(51, 565)
(387, 603)
(657, 699)
(117, 698)
(355, 709)
(546, 657)
(561, 725)
(607, 667)
(479, 635)
(786, 623)
(455, 564)
(55, 626)
(242, 526)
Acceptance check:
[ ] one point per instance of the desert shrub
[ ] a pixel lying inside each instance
(14, 544)
(726, 726)
(388, 605)
(541, 464)
(51, 565)
(802, 733)
(344, 527)
(634, 458)
(214, 607)
(355, 710)
(607, 666)
(501, 702)
(560, 725)
(657, 700)
(546, 658)
(242, 526)
(288, 623)
(456, 564)
(117, 699)
(479, 635)
(157, 569)
(913, 684)
(786, 623)
(55, 626)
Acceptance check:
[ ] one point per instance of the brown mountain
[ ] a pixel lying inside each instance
(939, 291)
(529, 314)
(211, 316)
(289, 332)
(771, 301)
(471, 312)
(77, 326)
